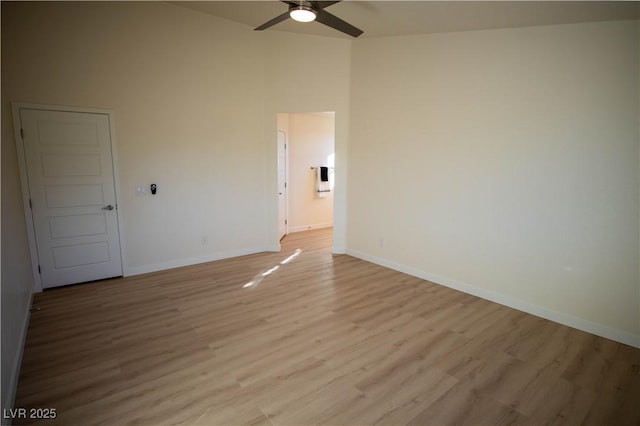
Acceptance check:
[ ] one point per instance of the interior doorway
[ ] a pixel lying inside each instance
(306, 167)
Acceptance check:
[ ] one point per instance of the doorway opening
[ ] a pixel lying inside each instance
(306, 166)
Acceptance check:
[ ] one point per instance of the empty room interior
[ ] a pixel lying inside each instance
(417, 212)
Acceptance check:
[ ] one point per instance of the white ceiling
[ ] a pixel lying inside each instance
(397, 18)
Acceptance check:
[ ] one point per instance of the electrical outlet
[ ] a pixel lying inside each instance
(381, 242)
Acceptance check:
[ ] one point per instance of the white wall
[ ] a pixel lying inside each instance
(311, 143)
(504, 163)
(187, 91)
(282, 119)
(17, 281)
(189, 95)
(308, 74)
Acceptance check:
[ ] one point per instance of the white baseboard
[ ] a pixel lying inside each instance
(17, 363)
(145, 269)
(302, 228)
(511, 302)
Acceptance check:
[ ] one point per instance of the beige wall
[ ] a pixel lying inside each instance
(189, 95)
(164, 71)
(186, 89)
(308, 74)
(504, 163)
(282, 119)
(501, 162)
(311, 143)
(16, 266)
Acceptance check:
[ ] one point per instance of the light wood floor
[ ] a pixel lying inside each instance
(322, 339)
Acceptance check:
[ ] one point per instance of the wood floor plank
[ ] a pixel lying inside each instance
(396, 393)
(307, 337)
(463, 405)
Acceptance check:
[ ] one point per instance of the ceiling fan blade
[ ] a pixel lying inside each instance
(337, 23)
(324, 4)
(315, 4)
(274, 21)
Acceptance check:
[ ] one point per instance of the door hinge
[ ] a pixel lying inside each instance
(22, 133)
(30, 205)
(39, 270)
(285, 221)
(285, 184)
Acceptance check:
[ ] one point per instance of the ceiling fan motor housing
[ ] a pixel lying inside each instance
(303, 12)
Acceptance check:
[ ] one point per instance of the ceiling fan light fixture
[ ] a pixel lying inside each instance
(302, 13)
(309, 10)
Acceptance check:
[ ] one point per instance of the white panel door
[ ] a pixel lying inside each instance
(72, 192)
(282, 184)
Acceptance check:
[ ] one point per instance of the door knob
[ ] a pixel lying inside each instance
(109, 207)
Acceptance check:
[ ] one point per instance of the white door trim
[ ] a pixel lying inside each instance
(286, 180)
(24, 183)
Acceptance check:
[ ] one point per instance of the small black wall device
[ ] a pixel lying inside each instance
(154, 188)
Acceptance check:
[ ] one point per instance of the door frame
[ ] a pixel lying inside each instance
(24, 182)
(286, 180)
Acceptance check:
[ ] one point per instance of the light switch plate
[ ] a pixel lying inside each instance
(141, 190)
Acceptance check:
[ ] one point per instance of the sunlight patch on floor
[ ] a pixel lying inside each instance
(261, 275)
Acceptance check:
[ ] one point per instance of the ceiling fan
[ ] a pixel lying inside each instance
(307, 11)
